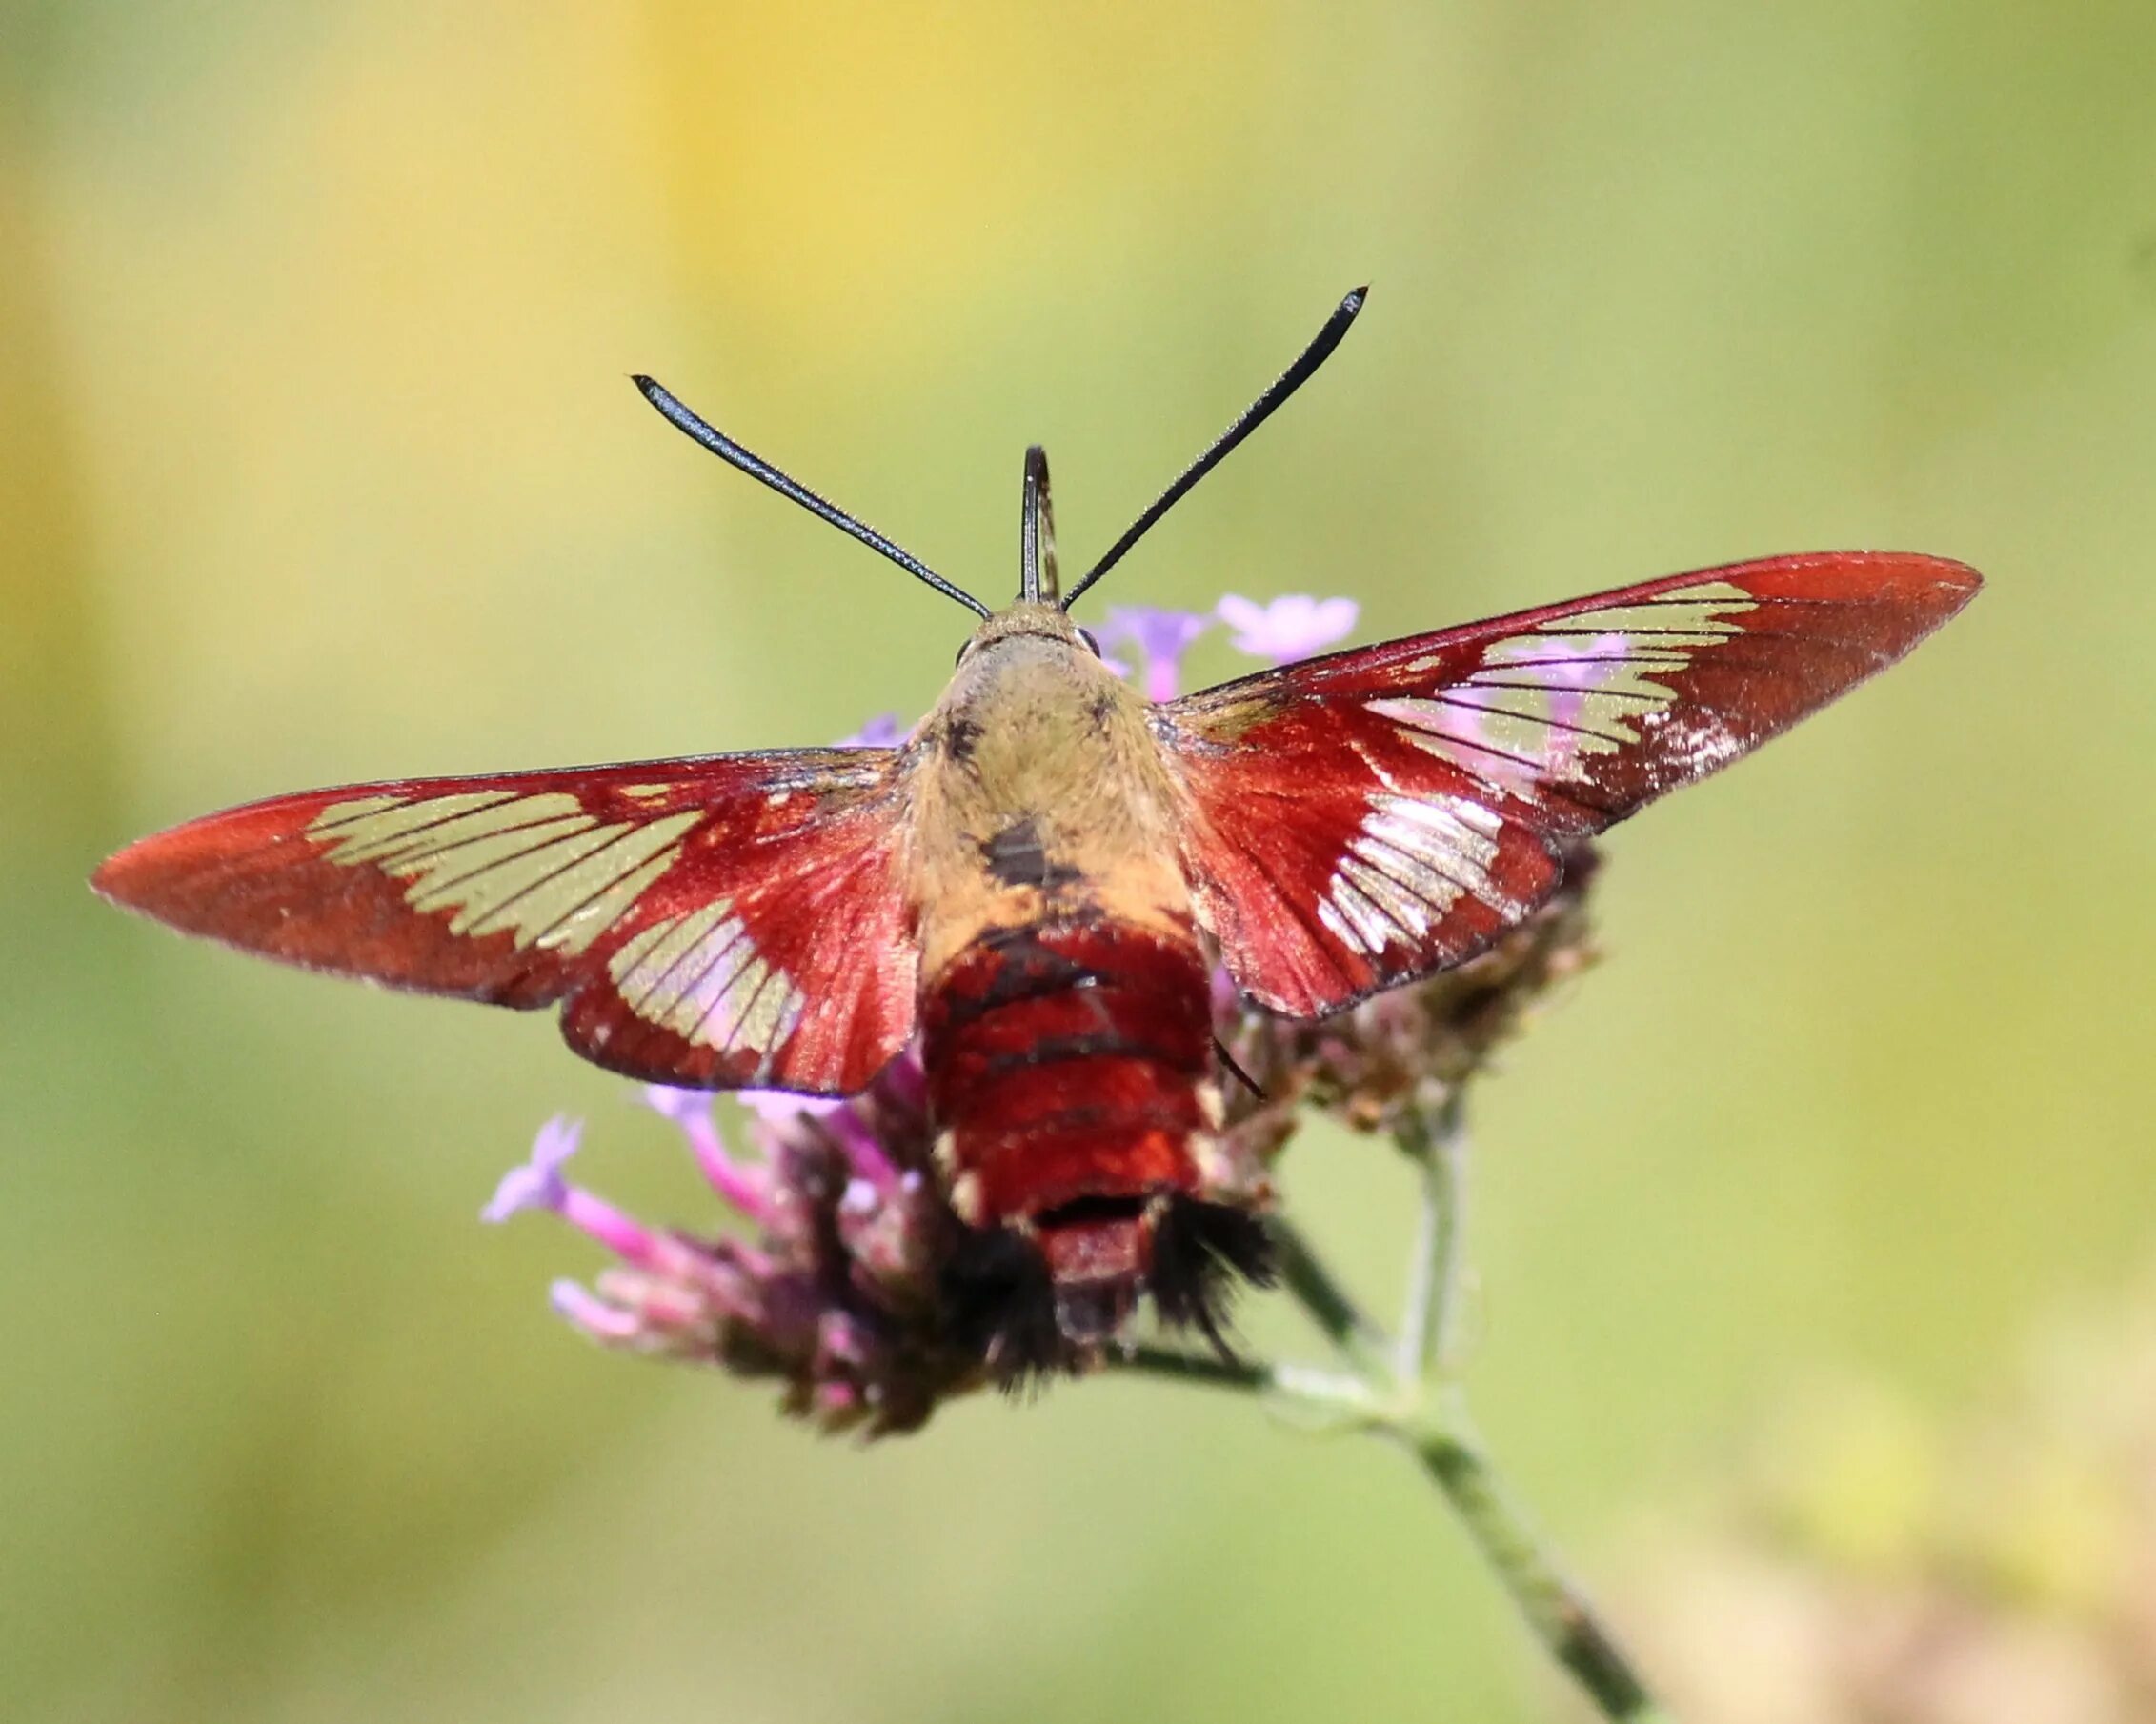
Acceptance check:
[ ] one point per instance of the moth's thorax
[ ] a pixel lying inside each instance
(1041, 793)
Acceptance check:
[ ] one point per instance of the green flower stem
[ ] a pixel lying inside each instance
(1409, 1391)
(1195, 1368)
(1429, 1331)
(1560, 1613)
(1329, 1305)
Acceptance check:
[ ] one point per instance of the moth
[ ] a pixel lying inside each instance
(1038, 880)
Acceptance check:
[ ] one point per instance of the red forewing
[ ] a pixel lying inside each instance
(1358, 820)
(731, 920)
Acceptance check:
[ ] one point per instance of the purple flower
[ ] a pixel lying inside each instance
(584, 1309)
(1577, 671)
(1163, 636)
(745, 1188)
(775, 1107)
(780, 1109)
(838, 1287)
(1289, 628)
(538, 1184)
(882, 732)
(1521, 746)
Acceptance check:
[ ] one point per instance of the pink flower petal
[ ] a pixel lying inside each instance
(1289, 628)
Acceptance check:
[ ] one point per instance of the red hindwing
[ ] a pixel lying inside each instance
(731, 920)
(1358, 820)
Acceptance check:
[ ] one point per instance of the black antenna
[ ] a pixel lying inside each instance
(1251, 417)
(756, 467)
(1037, 533)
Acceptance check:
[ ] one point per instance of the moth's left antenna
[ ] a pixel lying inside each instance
(758, 468)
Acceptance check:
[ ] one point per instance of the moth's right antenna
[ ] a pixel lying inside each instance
(1251, 417)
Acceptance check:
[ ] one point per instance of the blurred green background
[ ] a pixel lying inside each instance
(318, 462)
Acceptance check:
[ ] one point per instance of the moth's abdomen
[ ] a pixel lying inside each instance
(1067, 1066)
(1064, 1062)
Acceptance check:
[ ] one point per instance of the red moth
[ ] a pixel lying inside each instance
(1028, 881)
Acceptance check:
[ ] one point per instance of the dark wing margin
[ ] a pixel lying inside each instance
(722, 922)
(1355, 821)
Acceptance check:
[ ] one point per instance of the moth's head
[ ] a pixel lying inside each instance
(1037, 613)
(1030, 619)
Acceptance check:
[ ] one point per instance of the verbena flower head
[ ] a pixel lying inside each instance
(827, 1273)
(836, 1264)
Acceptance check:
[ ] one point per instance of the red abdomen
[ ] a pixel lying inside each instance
(1065, 1065)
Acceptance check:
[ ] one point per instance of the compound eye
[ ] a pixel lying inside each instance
(964, 647)
(1091, 645)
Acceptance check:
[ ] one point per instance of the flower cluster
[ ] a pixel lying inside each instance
(1879, 1567)
(836, 1273)
(833, 1278)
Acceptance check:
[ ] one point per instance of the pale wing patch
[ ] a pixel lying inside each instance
(1409, 862)
(538, 868)
(700, 976)
(1536, 710)
(1539, 705)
